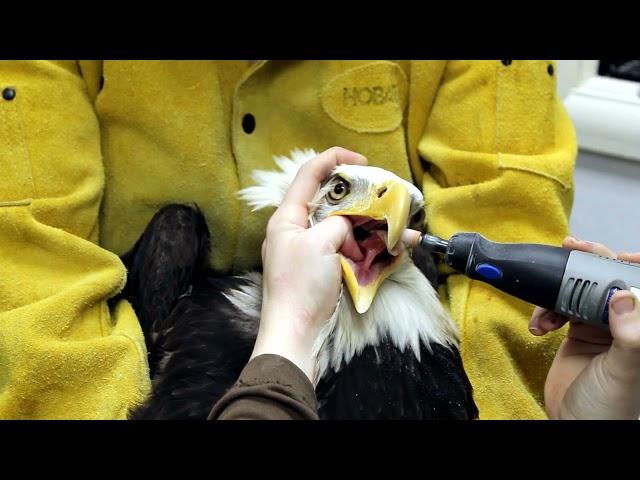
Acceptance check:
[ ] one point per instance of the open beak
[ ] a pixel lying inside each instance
(390, 203)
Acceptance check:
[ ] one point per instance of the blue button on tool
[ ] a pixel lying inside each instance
(488, 271)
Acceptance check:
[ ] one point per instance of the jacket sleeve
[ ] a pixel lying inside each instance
(494, 153)
(269, 388)
(63, 352)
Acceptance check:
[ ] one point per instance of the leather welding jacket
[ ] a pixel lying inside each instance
(90, 150)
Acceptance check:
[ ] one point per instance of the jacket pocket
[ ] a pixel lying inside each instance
(16, 181)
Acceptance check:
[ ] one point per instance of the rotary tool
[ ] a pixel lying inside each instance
(570, 282)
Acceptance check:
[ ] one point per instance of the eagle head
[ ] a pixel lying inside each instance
(379, 204)
(389, 298)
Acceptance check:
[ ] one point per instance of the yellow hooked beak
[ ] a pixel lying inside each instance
(390, 202)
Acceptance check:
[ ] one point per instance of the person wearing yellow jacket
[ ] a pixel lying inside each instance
(91, 150)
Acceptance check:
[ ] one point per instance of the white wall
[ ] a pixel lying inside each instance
(607, 192)
(571, 73)
(567, 76)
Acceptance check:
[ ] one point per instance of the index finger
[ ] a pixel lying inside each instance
(294, 206)
(589, 247)
(544, 321)
(630, 257)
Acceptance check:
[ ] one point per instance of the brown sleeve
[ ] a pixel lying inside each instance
(269, 388)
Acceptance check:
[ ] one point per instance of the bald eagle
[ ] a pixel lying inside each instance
(390, 351)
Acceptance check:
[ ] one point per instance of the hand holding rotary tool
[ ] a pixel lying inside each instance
(596, 371)
(574, 283)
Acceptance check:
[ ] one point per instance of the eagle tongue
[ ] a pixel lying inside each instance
(362, 254)
(372, 246)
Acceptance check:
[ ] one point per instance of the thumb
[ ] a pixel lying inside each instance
(338, 232)
(623, 359)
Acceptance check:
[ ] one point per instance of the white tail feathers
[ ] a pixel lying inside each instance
(271, 186)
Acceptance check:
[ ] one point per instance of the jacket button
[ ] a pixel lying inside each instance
(248, 123)
(550, 70)
(8, 93)
(506, 63)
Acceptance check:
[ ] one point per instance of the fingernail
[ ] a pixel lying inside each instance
(623, 305)
(535, 331)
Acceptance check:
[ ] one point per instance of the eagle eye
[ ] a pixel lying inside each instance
(339, 190)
